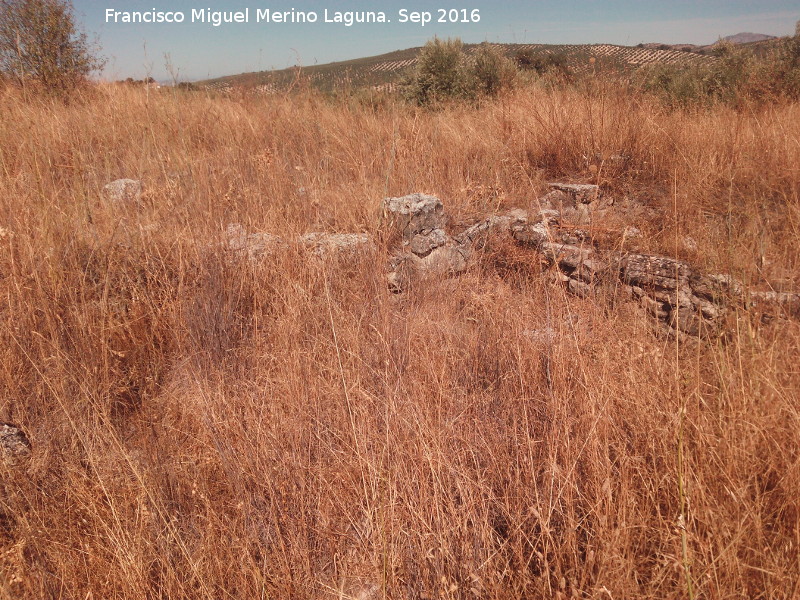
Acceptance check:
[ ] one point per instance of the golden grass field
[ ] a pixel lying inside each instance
(204, 427)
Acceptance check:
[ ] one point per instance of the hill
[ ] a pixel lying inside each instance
(383, 71)
(747, 38)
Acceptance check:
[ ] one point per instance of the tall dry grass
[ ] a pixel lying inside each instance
(208, 428)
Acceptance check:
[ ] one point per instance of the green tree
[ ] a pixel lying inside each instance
(444, 71)
(491, 70)
(440, 73)
(39, 41)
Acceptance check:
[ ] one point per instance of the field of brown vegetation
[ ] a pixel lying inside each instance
(203, 426)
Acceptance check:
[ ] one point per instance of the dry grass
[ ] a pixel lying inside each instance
(207, 428)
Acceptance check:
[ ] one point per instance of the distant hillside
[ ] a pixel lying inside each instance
(383, 71)
(741, 39)
(747, 38)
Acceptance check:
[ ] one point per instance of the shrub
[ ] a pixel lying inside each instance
(445, 72)
(40, 42)
(737, 75)
(440, 73)
(492, 71)
(542, 63)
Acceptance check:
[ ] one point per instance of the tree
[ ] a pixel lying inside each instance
(440, 73)
(491, 70)
(40, 42)
(445, 72)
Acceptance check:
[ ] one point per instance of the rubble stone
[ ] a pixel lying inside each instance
(583, 193)
(123, 191)
(413, 214)
(14, 444)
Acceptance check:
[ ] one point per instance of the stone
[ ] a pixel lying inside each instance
(549, 217)
(423, 243)
(516, 215)
(591, 269)
(579, 288)
(335, 243)
(126, 191)
(478, 234)
(565, 256)
(674, 297)
(444, 260)
(654, 307)
(555, 200)
(690, 244)
(583, 193)
(685, 319)
(14, 444)
(660, 272)
(534, 234)
(717, 288)
(787, 301)
(709, 310)
(254, 245)
(673, 291)
(413, 214)
(631, 233)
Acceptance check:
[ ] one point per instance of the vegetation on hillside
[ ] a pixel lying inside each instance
(444, 72)
(739, 75)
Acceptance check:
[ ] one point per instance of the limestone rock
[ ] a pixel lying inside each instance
(556, 200)
(254, 245)
(786, 301)
(477, 235)
(423, 243)
(444, 260)
(335, 243)
(534, 234)
(413, 214)
(123, 191)
(583, 193)
(14, 444)
(671, 290)
(659, 272)
(687, 320)
(654, 307)
(565, 256)
(549, 216)
(591, 269)
(579, 288)
(716, 287)
(631, 233)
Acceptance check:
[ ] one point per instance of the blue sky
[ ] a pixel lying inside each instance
(198, 51)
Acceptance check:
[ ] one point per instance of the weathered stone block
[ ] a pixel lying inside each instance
(123, 191)
(413, 214)
(583, 193)
(645, 270)
(423, 243)
(335, 243)
(255, 245)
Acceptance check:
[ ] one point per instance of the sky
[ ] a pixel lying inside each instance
(193, 50)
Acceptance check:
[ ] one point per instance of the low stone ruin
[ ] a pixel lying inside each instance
(415, 229)
(418, 221)
(258, 245)
(671, 290)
